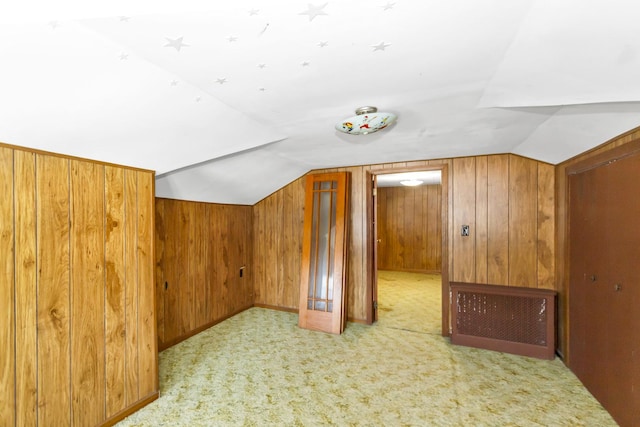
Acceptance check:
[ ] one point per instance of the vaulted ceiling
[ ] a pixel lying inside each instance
(229, 101)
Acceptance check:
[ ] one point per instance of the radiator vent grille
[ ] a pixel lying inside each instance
(508, 319)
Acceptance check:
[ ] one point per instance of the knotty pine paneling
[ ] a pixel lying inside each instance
(478, 194)
(74, 327)
(160, 235)
(277, 256)
(7, 289)
(561, 279)
(546, 226)
(53, 299)
(497, 220)
(464, 213)
(26, 290)
(411, 236)
(481, 219)
(87, 294)
(132, 291)
(523, 223)
(203, 247)
(115, 315)
(148, 347)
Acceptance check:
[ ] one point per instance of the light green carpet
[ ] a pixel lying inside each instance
(410, 301)
(259, 369)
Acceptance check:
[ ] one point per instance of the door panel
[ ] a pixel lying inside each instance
(323, 277)
(604, 285)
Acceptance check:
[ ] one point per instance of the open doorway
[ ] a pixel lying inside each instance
(408, 220)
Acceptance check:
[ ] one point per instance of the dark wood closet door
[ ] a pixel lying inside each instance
(605, 286)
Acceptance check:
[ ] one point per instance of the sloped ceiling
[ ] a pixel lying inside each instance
(229, 101)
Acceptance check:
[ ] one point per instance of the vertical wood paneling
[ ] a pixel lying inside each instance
(215, 252)
(416, 233)
(279, 248)
(173, 271)
(482, 208)
(132, 369)
(159, 251)
(546, 227)
(382, 204)
(523, 200)
(198, 264)
(87, 293)
(54, 364)
(464, 194)
(222, 263)
(26, 294)
(271, 248)
(205, 245)
(357, 230)
(498, 220)
(7, 286)
(187, 300)
(479, 196)
(72, 251)
(409, 242)
(115, 328)
(148, 347)
(399, 246)
(292, 232)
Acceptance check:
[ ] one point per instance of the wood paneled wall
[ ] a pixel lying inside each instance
(410, 228)
(77, 316)
(277, 247)
(200, 249)
(562, 213)
(507, 200)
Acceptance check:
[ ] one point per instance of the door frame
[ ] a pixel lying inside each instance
(371, 212)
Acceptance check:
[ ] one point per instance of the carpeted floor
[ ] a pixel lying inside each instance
(259, 369)
(410, 301)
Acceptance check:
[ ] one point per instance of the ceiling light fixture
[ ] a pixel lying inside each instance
(411, 182)
(367, 120)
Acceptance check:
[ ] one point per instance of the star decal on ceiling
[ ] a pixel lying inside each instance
(305, 64)
(198, 98)
(314, 11)
(177, 44)
(262, 89)
(262, 66)
(380, 46)
(124, 56)
(221, 81)
(54, 24)
(232, 39)
(254, 12)
(124, 18)
(388, 6)
(323, 44)
(264, 29)
(174, 83)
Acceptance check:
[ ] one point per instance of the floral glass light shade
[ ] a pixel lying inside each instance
(367, 120)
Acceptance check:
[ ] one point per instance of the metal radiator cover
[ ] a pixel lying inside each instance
(503, 318)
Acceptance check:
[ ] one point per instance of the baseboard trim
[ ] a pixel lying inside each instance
(277, 308)
(166, 345)
(130, 410)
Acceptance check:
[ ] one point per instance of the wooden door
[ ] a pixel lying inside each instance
(324, 253)
(372, 246)
(605, 285)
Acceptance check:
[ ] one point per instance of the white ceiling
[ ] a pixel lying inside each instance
(229, 101)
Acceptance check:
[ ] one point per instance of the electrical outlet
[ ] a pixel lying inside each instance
(465, 230)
